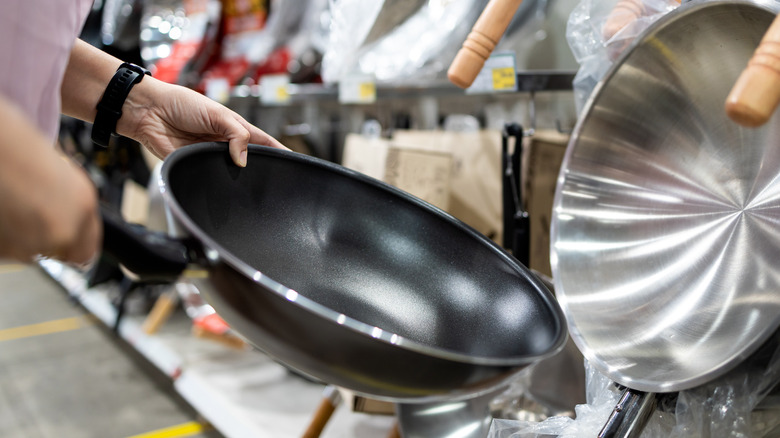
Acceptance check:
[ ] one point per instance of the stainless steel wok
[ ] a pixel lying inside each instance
(666, 223)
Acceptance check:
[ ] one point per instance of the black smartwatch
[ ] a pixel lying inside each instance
(109, 109)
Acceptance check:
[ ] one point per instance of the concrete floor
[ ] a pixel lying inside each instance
(63, 374)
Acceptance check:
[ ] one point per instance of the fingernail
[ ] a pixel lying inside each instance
(242, 159)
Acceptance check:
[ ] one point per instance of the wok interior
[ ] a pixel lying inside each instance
(367, 252)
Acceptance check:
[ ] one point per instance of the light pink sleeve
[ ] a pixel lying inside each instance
(36, 37)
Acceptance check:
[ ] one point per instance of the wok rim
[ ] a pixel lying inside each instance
(591, 354)
(223, 255)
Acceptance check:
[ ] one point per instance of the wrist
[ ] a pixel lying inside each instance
(110, 108)
(139, 103)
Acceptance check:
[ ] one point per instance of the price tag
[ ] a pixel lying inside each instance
(218, 89)
(504, 78)
(357, 89)
(275, 89)
(498, 75)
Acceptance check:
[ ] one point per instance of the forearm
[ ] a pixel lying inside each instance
(161, 116)
(48, 204)
(88, 72)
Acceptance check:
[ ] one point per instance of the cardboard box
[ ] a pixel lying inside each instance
(475, 189)
(474, 194)
(135, 203)
(366, 155)
(545, 153)
(423, 173)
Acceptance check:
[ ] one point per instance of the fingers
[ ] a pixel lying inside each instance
(77, 240)
(236, 135)
(195, 118)
(88, 245)
(258, 136)
(242, 135)
(238, 146)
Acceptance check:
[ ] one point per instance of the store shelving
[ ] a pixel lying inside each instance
(242, 393)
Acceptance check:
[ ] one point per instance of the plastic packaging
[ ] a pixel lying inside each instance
(283, 19)
(539, 392)
(741, 404)
(297, 28)
(595, 48)
(351, 20)
(589, 418)
(412, 41)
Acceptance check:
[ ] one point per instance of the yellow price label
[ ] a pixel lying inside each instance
(282, 96)
(367, 91)
(504, 78)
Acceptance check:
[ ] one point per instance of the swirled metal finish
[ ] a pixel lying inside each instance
(666, 226)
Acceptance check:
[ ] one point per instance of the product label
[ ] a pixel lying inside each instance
(357, 88)
(218, 89)
(274, 89)
(498, 75)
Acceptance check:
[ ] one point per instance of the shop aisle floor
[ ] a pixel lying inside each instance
(64, 375)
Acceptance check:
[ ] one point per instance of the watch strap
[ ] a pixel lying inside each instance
(109, 109)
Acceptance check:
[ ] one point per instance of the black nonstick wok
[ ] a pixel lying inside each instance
(343, 277)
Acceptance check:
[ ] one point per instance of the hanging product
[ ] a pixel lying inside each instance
(241, 25)
(173, 32)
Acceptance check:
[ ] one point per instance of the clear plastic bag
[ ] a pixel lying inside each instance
(741, 404)
(596, 42)
(284, 22)
(589, 418)
(415, 49)
(411, 41)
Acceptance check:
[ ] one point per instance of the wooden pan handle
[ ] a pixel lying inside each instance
(484, 36)
(330, 400)
(755, 95)
(624, 13)
(395, 432)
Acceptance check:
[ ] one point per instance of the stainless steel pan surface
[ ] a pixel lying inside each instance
(666, 225)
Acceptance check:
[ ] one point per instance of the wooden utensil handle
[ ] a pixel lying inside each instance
(479, 44)
(755, 95)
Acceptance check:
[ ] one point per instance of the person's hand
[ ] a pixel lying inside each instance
(160, 116)
(48, 206)
(164, 117)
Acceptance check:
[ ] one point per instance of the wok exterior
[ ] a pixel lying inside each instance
(326, 350)
(665, 242)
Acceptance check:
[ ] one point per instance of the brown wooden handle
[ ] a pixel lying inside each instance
(163, 308)
(327, 406)
(479, 44)
(624, 13)
(395, 432)
(755, 95)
